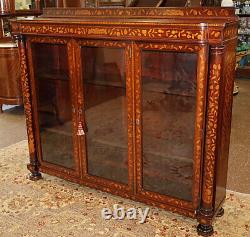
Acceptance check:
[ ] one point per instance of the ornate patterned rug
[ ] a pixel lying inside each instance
(53, 207)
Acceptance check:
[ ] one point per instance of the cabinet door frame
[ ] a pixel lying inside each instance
(202, 53)
(91, 180)
(47, 167)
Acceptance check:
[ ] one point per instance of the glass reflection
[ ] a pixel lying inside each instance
(169, 105)
(25, 4)
(106, 112)
(54, 103)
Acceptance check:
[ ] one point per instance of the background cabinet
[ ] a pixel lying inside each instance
(10, 87)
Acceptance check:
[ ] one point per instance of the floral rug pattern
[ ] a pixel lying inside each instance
(53, 207)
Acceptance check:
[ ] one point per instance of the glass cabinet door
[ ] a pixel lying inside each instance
(166, 124)
(106, 90)
(53, 100)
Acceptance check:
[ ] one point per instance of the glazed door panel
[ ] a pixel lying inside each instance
(168, 130)
(107, 105)
(54, 105)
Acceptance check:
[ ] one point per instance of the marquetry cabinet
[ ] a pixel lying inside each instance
(136, 106)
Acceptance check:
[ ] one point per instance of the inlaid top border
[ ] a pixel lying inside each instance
(140, 12)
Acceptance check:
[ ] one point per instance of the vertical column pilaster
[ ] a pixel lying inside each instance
(206, 211)
(27, 100)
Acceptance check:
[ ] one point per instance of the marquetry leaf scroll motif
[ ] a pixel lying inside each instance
(171, 47)
(215, 34)
(231, 31)
(141, 12)
(26, 96)
(71, 46)
(96, 43)
(211, 130)
(138, 116)
(228, 33)
(121, 31)
(47, 40)
(129, 94)
(199, 123)
(80, 123)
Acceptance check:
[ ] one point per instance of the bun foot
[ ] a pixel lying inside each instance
(205, 230)
(220, 212)
(34, 176)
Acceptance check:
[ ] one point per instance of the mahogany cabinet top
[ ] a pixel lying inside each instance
(213, 25)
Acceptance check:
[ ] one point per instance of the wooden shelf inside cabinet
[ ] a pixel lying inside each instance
(126, 100)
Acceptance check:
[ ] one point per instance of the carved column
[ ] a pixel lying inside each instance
(206, 211)
(27, 100)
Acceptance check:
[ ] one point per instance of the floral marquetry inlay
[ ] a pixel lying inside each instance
(199, 123)
(171, 47)
(211, 134)
(125, 32)
(215, 34)
(26, 96)
(231, 32)
(141, 12)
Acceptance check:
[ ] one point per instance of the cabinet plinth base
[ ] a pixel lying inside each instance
(205, 230)
(220, 212)
(34, 176)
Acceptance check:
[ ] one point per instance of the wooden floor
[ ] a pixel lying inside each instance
(12, 130)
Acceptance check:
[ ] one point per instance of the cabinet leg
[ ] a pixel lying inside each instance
(1, 108)
(220, 212)
(34, 174)
(205, 230)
